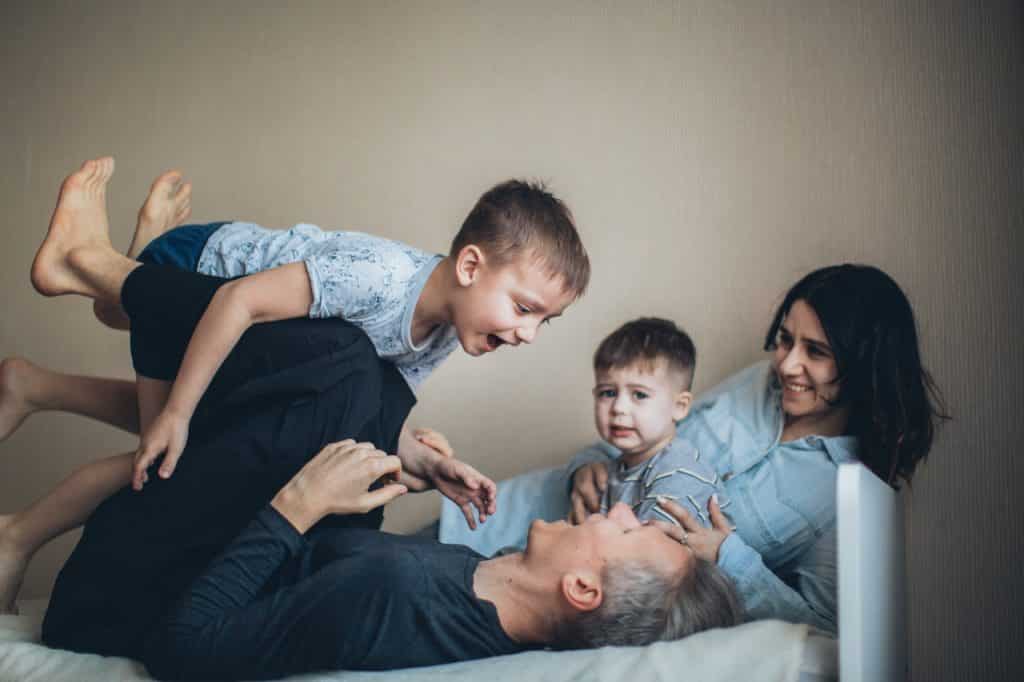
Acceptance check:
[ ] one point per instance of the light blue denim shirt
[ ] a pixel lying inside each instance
(782, 556)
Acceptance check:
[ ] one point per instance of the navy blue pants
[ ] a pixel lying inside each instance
(287, 389)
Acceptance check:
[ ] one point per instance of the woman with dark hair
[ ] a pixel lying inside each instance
(844, 383)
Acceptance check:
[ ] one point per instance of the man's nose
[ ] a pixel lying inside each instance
(623, 515)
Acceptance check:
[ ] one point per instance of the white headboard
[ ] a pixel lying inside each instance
(872, 605)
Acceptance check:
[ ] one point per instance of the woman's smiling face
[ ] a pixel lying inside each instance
(806, 366)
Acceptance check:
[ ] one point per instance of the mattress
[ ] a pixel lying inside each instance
(764, 650)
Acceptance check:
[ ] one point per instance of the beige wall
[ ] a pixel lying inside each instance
(713, 152)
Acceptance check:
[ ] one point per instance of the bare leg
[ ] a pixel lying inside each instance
(75, 498)
(26, 388)
(76, 256)
(65, 508)
(168, 204)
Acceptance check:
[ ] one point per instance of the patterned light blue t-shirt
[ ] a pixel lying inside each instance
(370, 281)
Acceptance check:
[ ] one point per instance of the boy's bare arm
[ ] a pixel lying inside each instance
(427, 456)
(278, 294)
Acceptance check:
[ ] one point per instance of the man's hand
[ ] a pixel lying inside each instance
(588, 485)
(337, 481)
(167, 435)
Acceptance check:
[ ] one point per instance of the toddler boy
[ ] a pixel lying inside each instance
(643, 372)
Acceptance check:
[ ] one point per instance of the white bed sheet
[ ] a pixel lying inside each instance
(764, 650)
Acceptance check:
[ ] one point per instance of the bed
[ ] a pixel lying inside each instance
(871, 646)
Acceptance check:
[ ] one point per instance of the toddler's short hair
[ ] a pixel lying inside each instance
(646, 341)
(517, 217)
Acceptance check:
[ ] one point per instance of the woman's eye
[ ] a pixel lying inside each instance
(785, 340)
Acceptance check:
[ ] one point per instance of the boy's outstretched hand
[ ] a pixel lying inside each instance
(429, 462)
(466, 487)
(167, 435)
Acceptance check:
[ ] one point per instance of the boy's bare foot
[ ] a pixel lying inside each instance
(79, 221)
(15, 405)
(13, 562)
(168, 205)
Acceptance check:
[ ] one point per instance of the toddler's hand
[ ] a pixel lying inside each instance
(588, 485)
(167, 435)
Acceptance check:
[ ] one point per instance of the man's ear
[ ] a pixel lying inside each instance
(583, 591)
(682, 406)
(468, 263)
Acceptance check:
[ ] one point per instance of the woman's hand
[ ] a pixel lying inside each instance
(703, 541)
(167, 435)
(588, 486)
(337, 481)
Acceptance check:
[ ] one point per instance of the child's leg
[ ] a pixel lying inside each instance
(64, 508)
(76, 256)
(168, 204)
(26, 388)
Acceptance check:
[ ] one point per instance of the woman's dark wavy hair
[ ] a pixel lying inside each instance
(894, 404)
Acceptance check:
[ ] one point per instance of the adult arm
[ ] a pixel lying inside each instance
(806, 591)
(226, 625)
(809, 594)
(277, 294)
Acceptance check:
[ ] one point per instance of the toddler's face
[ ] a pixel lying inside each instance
(506, 304)
(636, 408)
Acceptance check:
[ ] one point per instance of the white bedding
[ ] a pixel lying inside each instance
(764, 650)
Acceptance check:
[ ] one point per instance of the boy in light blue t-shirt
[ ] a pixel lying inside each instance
(516, 262)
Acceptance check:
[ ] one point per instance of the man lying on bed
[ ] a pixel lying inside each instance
(283, 600)
(287, 598)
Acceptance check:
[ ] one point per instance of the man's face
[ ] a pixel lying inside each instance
(506, 304)
(601, 540)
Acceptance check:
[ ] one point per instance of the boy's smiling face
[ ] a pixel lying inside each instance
(503, 304)
(636, 408)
